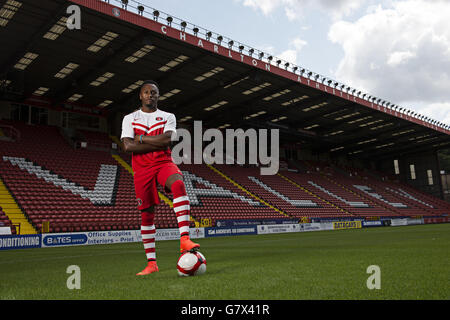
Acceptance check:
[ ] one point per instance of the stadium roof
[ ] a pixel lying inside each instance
(202, 76)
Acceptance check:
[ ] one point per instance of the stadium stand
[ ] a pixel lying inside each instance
(417, 201)
(5, 222)
(52, 176)
(87, 190)
(221, 199)
(95, 140)
(339, 195)
(382, 191)
(51, 158)
(294, 202)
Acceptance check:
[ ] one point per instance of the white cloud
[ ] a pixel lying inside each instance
(438, 111)
(398, 50)
(295, 9)
(266, 6)
(298, 44)
(290, 55)
(400, 53)
(399, 57)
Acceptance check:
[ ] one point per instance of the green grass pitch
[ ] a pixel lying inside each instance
(413, 261)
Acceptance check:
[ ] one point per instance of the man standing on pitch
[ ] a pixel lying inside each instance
(147, 133)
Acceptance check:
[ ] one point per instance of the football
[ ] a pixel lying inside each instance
(191, 264)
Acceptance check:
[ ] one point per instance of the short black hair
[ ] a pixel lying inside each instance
(150, 82)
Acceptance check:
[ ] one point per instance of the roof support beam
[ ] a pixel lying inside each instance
(29, 43)
(128, 98)
(235, 112)
(83, 80)
(185, 107)
(399, 141)
(407, 150)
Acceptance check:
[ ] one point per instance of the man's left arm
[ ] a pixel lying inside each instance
(156, 143)
(164, 140)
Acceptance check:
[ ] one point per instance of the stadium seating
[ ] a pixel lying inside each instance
(221, 199)
(418, 202)
(339, 195)
(295, 201)
(42, 200)
(95, 140)
(87, 190)
(394, 198)
(5, 222)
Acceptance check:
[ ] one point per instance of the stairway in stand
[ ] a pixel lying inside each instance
(14, 213)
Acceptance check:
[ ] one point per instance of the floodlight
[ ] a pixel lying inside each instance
(155, 15)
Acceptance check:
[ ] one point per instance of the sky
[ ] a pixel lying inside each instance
(396, 50)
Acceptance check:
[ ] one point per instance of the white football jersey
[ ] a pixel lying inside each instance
(149, 124)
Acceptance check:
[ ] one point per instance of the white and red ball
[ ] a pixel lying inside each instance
(191, 264)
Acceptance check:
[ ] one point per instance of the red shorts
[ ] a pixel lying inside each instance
(145, 183)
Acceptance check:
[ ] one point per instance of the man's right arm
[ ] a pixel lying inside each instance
(130, 145)
(127, 137)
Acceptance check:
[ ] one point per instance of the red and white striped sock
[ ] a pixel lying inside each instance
(148, 234)
(181, 207)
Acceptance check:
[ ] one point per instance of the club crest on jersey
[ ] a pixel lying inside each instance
(159, 119)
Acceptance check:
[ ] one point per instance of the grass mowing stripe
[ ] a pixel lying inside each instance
(413, 260)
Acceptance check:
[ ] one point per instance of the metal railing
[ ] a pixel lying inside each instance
(193, 29)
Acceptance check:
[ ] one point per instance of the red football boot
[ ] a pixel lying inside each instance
(150, 268)
(187, 245)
